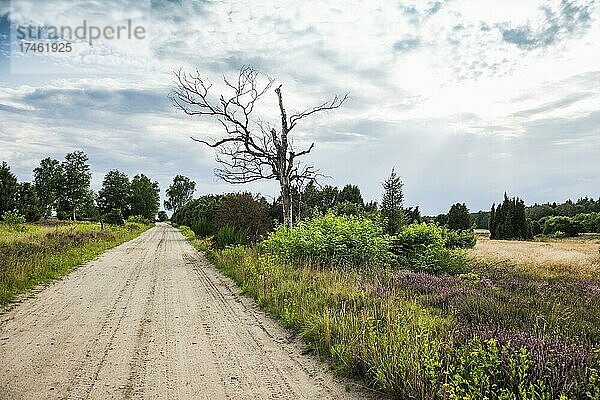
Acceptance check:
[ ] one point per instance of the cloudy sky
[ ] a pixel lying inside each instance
(466, 99)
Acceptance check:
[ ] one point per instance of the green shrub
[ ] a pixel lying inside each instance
(436, 260)
(418, 237)
(187, 232)
(207, 215)
(198, 214)
(589, 222)
(567, 225)
(430, 248)
(202, 227)
(342, 240)
(489, 370)
(249, 216)
(13, 219)
(459, 239)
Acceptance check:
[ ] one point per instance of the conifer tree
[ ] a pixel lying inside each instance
(508, 220)
(391, 204)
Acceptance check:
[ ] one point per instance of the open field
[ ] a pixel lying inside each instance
(554, 258)
(36, 254)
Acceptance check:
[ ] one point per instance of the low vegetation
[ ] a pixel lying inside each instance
(37, 254)
(423, 321)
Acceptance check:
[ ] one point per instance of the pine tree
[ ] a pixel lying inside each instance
(508, 220)
(492, 222)
(391, 204)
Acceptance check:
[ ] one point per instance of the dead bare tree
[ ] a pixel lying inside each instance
(249, 149)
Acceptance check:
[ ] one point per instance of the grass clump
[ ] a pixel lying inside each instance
(38, 254)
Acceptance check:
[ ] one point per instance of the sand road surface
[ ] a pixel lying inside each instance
(152, 319)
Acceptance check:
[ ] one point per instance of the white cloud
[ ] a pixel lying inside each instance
(436, 89)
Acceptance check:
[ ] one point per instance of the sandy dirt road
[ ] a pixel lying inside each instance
(152, 319)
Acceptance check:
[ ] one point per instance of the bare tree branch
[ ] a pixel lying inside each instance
(249, 149)
(336, 102)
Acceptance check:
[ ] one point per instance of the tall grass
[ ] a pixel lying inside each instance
(414, 335)
(32, 255)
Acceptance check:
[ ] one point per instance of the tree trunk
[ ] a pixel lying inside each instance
(73, 214)
(286, 200)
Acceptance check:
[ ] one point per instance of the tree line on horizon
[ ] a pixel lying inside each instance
(62, 189)
(568, 218)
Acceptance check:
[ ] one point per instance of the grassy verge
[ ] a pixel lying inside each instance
(414, 335)
(32, 255)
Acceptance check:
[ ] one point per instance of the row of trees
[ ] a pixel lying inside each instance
(120, 198)
(569, 208)
(536, 212)
(63, 188)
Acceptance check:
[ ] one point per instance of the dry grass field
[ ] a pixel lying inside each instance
(559, 258)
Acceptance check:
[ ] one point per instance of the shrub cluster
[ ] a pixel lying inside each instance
(348, 240)
(563, 226)
(433, 249)
(590, 222)
(236, 218)
(340, 240)
(13, 220)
